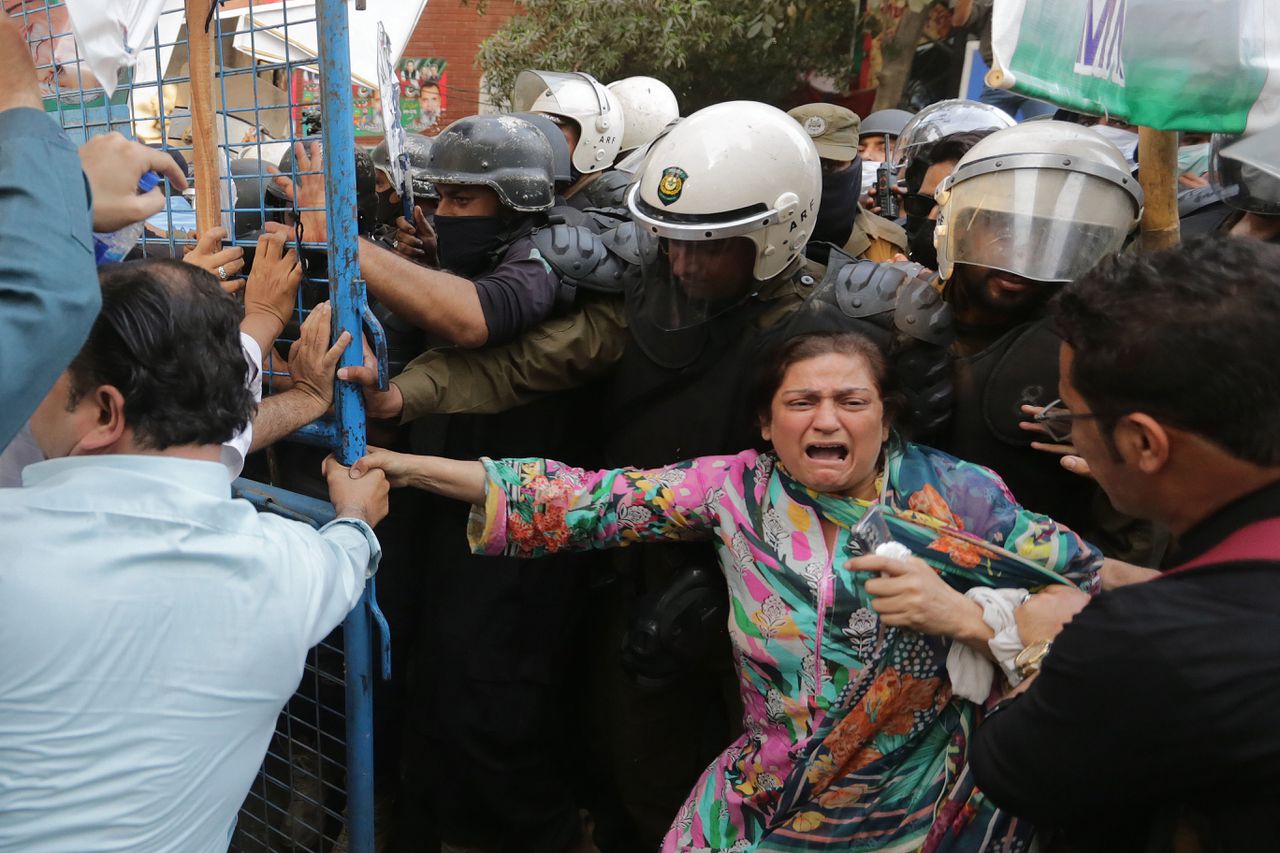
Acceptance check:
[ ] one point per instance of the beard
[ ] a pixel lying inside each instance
(997, 293)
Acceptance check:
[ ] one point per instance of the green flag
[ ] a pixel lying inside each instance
(1168, 64)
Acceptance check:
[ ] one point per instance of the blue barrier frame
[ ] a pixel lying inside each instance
(345, 432)
(347, 298)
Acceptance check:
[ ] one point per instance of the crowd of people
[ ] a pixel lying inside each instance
(748, 480)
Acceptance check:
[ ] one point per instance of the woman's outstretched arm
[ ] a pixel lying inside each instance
(530, 507)
(460, 479)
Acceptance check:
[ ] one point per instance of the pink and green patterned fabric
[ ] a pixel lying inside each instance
(853, 740)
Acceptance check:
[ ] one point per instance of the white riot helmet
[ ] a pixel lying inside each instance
(580, 98)
(735, 169)
(943, 119)
(1245, 170)
(1044, 200)
(649, 106)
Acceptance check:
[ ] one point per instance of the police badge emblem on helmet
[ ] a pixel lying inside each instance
(671, 184)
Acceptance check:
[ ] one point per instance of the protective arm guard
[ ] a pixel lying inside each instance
(583, 260)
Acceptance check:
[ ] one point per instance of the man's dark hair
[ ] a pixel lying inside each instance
(168, 338)
(1189, 336)
(947, 149)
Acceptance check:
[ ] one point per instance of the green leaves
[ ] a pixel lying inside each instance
(706, 50)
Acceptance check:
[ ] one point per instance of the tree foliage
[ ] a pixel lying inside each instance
(705, 50)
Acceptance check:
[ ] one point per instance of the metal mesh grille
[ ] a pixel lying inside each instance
(265, 99)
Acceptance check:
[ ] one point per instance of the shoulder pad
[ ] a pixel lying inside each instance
(608, 190)
(581, 258)
(627, 241)
(866, 289)
(921, 314)
(602, 219)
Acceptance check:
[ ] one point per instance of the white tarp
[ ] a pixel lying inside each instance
(299, 41)
(114, 34)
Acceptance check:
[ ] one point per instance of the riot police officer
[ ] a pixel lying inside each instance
(1241, 199)
(1027, 209)
(495, 178)
(390, 205)
(590, 116)
(842, 221)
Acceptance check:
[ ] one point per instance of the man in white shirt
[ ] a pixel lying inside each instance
(151, 628)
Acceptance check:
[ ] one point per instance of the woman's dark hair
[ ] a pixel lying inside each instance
(168, 338)
(1189, 336)
(800, 348)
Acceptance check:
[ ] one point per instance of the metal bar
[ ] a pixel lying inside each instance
(283, 502)
(319, 433)
(347, 297)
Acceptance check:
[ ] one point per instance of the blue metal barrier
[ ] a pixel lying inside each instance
(315, 788)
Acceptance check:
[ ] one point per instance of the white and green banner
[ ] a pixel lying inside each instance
(1200, 65)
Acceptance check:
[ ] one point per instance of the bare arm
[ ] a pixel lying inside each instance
(312, 364)
(281, 414)
(437, 302)
(1116, 573)
(459, 479)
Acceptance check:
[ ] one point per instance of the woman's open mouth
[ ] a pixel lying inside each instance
(833, 452)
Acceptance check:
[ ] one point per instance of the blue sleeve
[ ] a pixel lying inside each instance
(49, 293)
(518, 294)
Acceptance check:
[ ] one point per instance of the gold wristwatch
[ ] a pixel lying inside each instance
(1029, 659)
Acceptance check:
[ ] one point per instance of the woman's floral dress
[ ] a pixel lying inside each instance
(852, 739)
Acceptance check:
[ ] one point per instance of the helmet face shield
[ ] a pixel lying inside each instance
(1243, 186)
(688, 282)
(1049, 225)
(943, 119)
(581, 98)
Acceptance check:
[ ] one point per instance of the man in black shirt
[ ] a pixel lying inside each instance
(1152, 718)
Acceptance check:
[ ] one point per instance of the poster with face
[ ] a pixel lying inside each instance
(424, 88)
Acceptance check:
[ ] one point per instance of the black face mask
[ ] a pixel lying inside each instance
(839, 206)
(920, 241)
(466, 243)
(387, 211)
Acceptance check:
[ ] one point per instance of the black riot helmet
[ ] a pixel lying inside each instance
(507, 154)
(418, 147)
(251, 197)
(559, 145)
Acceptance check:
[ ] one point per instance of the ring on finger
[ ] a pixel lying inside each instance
(222, 273)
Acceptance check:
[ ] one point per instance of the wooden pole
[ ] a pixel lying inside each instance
(204, 132)
(1158, 175)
